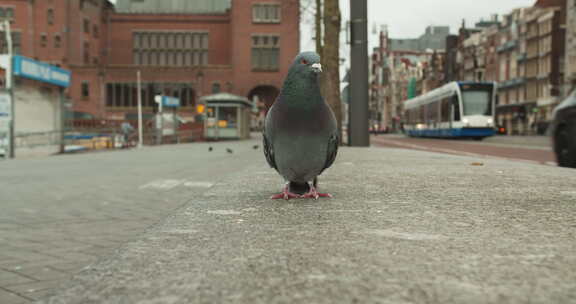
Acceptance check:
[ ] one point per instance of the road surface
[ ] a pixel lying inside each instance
(531, 150)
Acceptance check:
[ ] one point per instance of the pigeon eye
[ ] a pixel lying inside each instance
(304, 61)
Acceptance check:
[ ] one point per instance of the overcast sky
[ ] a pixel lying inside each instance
(409, 18)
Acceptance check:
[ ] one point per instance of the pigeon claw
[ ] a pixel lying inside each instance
(313, 193)
(285, 196)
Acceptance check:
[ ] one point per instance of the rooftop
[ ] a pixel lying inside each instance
(173, 6)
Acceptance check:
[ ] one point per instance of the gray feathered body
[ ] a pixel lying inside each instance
(300, 139)
(300, 133)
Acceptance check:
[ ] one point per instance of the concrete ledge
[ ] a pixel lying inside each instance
(404, 227)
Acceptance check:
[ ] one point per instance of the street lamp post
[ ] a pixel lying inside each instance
(9, 84)
(358, 133)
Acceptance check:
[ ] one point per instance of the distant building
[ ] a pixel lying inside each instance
(545, 47)
(450, 62)
(185, 49)
(434, 38)
(399, 74)
(514, 111)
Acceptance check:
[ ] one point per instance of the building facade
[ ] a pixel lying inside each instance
(545, 47)
(514, 112)
(402, 69)
(570, 72)
(185, 49)
(434, 38)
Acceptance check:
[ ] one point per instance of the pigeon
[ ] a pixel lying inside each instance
(300, 136)
(210, 149)
(255, 147)
(229, 150)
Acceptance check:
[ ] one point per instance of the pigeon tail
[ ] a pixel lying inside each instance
(299, 188)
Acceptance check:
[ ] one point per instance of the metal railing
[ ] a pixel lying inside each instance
(37, 139)
(94, 134)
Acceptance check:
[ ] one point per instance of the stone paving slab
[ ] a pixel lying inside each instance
(63, 213)
(10, 297)
(403, 227)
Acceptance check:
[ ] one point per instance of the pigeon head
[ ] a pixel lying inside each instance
(301, 86)
(307, 63)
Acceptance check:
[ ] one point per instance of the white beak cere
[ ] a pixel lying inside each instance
(317, 67)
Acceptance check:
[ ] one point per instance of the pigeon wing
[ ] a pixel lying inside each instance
(269, 152)
(331, 152)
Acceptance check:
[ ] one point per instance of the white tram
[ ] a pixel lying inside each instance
(457, 109)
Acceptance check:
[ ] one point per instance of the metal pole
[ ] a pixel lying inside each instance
(174, 122)
(140, 131)
(359, 74)
(62, 120)
(160, 120)
(10, 89)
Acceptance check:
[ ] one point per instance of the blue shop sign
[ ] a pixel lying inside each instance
(29, 68)
(168, 101)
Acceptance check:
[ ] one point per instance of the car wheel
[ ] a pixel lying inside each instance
(566, 146)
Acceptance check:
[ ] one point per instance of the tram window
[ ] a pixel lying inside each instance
(445, 109)
(434, 111)
(456, 104)
(476, 102)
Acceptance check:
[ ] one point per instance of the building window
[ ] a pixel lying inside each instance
(86, 26)
(57, 41)
(7, 13)
(85, 90)
(50, 16)
(43, 40)
(265, 52)
(86, 52)
(16, 43)
(170, 49)
(95, 31)
(215, 88)
(266, 13)
(124, 95)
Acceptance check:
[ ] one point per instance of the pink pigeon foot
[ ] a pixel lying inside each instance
(313, 193)
(286, 194)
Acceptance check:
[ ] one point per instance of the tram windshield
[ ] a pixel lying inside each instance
(477, 101)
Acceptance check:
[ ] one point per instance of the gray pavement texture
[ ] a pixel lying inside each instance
(60, 214)
(403, 227)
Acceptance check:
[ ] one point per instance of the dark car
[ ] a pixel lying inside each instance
(564, 132)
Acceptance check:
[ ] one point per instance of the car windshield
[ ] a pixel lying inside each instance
(476, 102)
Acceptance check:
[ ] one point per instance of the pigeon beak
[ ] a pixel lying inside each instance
(317, 68)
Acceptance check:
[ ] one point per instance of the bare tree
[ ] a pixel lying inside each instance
(318, 27)
(330, 52)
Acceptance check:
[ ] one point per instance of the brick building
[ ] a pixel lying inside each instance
(545, 47)
(514, 112)
(185, 49)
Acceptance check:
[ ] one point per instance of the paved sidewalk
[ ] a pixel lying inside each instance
(60, 214)
(403, 227)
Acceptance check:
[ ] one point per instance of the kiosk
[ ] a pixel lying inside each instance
(227, 116)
